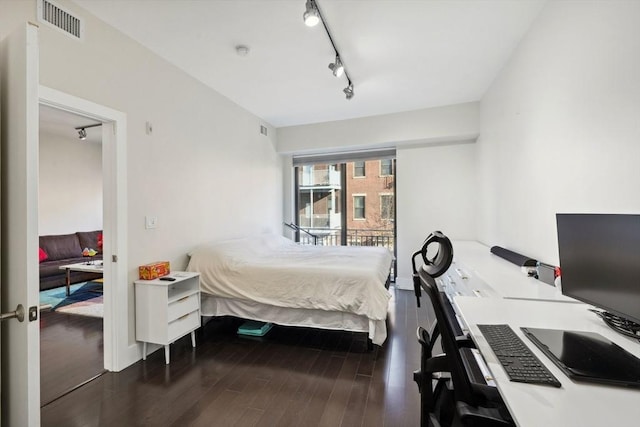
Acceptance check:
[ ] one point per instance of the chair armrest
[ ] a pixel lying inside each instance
(483, 417)
(438, 363)
(465, 341)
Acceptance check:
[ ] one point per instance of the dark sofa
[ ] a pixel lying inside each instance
(64, 249)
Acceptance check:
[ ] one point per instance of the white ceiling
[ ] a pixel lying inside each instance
(401, 55)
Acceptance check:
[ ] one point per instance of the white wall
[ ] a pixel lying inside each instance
(70, 185)
(560, 126)
(441, 124)
(205, 171)
(435, 190)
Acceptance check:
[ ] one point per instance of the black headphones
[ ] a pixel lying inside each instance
(435, 266)
(441, 261)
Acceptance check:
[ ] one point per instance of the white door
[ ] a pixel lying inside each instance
(20, 374)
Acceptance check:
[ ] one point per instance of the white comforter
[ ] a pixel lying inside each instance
(274, 270)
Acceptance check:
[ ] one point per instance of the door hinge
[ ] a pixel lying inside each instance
(114, 258)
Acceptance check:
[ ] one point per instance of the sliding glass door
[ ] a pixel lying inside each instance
(350, 203)
(319, 203)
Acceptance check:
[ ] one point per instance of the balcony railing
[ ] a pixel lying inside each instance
(383, 238)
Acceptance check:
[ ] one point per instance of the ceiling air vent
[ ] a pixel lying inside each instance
(59, 18)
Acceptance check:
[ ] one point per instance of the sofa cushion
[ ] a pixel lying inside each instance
(89, 239)
(61, 246)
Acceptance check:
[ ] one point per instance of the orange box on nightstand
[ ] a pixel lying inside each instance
(154, 270)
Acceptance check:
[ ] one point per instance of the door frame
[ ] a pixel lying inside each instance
(118, 354)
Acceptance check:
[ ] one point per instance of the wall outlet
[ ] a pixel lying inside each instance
(150, 222)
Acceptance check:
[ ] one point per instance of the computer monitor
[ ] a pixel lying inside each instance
(600, 261)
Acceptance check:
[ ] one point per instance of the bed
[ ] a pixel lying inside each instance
(272, 279)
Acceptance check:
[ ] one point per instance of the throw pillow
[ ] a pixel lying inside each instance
(42, 255)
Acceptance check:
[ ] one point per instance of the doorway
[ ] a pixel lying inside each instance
(70, 210)
(21, 95)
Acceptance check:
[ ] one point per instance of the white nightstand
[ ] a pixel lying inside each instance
(167, 311)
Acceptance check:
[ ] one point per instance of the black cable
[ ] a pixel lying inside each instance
(619, 324)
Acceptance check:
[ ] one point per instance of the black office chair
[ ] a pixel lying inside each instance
(436, 266)
(433, 385)
(475, 404)
(436, 395)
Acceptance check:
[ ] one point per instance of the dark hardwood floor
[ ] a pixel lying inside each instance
(291, 377)
(71, 352)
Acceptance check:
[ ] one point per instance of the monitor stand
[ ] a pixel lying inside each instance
(619, 324)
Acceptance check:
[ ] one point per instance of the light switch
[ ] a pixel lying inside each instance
(150, 222)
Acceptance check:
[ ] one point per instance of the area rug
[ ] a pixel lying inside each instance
(92, 307)
(58, 298)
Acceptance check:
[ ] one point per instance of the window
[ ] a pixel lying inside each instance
(358, 207)
(386, 206)
(386, 167)
(358, 169)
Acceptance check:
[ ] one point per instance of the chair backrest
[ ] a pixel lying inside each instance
(461, 383)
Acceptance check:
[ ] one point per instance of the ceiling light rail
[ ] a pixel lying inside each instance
(82, 130)
(313, 17)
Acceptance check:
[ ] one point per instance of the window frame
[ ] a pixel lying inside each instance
(392, 211)
(390, 167)
(364, 207)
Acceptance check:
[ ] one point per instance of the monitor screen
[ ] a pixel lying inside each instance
(600, 261)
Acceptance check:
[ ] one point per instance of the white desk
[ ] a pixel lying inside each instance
(488, 289)
(505, 279)
(574, 404)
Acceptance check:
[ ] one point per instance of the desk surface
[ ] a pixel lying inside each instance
(503, 277)
(574, 404)
(493, 290)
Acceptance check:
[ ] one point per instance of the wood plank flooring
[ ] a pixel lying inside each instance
(71, 352)
(291, 377)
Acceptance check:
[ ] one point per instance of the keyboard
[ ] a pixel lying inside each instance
(517, 360)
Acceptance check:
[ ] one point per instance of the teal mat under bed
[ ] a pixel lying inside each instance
(254, 328)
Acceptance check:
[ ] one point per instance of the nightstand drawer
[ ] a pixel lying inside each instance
(182, 306)
(183, 325)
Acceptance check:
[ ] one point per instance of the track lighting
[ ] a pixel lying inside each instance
(82, 130)
(312, 15)
(337, 67)
(348, 91)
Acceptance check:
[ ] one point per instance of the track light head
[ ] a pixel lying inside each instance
(311, 16)
(348, 91)
(82, 130)
(337, 67)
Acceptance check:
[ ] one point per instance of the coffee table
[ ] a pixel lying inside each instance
(96, 267)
